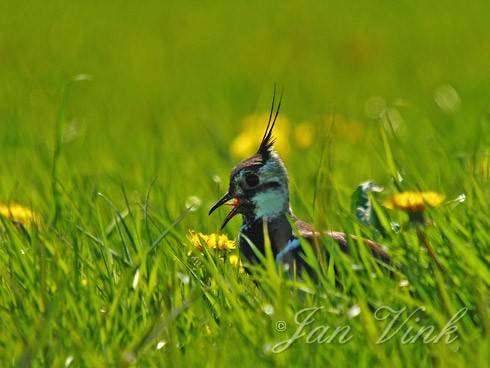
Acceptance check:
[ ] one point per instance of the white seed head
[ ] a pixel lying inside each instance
(193, 203)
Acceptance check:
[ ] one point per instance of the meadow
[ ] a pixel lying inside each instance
(121, 121)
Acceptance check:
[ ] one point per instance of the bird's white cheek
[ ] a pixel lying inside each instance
(271, 203)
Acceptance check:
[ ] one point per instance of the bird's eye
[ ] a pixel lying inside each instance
(252, 180)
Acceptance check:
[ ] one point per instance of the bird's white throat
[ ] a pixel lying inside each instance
(271, 203)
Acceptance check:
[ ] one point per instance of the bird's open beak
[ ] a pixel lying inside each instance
(226, 198)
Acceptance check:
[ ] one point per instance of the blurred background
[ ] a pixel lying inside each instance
(166, 88)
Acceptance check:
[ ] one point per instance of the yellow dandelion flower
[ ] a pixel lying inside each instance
(235, 262)
(194, 239)
(303, 134)
(208, 240)
(223, 243)
(17, 213)
(414, 201)
(211, 241)
(247, 142)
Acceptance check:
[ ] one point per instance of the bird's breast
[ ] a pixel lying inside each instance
(252, 236)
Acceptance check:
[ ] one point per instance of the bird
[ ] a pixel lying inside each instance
(259, 191)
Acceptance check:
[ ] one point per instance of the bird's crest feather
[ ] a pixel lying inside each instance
(268, 140)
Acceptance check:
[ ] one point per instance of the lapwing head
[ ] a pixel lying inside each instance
(258, 185)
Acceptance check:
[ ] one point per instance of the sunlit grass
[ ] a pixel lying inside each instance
(102, 179)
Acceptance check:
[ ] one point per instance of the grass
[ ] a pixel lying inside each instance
(396, 93)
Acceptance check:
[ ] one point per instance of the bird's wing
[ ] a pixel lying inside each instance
(307, 232)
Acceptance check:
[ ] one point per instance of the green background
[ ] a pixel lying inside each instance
(169, 86)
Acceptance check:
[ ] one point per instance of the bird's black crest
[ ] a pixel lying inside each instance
(267, 140)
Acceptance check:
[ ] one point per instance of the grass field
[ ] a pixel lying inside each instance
(118, 119)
